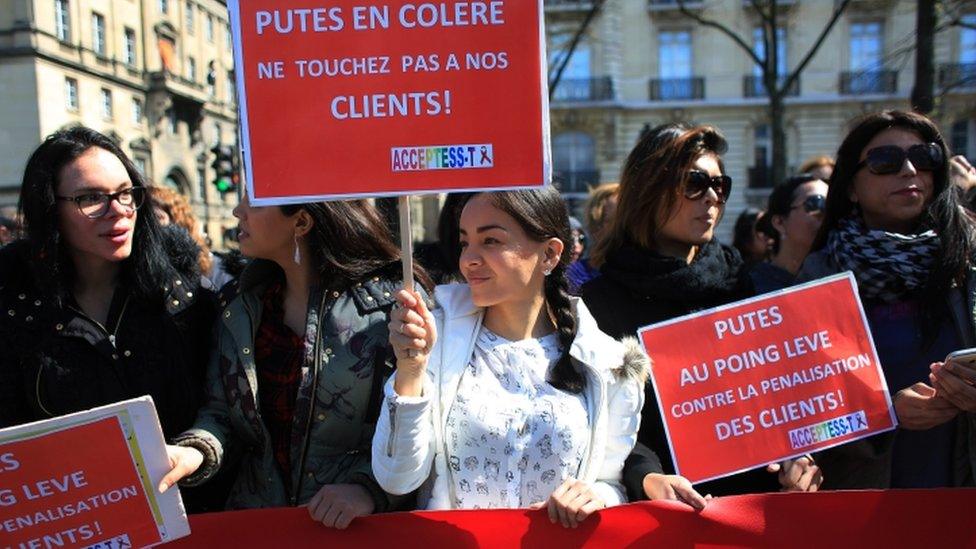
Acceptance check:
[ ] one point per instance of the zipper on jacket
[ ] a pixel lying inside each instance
(108, 335)
(316, 366)
(393, 426)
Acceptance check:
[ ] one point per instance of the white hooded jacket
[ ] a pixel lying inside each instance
(409, 447)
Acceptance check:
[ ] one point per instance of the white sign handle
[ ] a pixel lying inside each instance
(406, 242)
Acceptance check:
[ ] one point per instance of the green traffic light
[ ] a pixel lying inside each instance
(224, 184)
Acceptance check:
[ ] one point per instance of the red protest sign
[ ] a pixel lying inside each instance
(84, 480)
(362, 98)
(768, 378)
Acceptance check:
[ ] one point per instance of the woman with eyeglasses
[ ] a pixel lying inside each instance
(792, 219)
(659, 261)
(894, 220)
(99, 303)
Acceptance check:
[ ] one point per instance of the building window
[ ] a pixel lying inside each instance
(171, 120)
(674, 54)
(140, 162)
(574, 162)
(228, 39)
(209, 29)
(759, 46)
(574, 84)
(967, 39)
(675, 68)
(230, 95)
(130, 47)
(136, 111)
(190, 18)
(164, 6)
(191, 69)
(866, 46)
(71, 94)
(760, 176)
(98, 33)
(106, 104)
(62, 20)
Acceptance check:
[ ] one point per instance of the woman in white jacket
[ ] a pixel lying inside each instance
(521, 401)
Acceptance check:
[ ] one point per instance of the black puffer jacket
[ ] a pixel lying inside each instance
(55, 360)
(639, 287)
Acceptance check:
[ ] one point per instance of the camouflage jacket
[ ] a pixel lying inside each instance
(347, 359)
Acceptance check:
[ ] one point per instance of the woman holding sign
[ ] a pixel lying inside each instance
(660, 261)
(301, 354)
(894, 220)
(100, 303)
(509, 395)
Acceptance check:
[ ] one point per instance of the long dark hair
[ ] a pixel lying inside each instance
(145, 273)
(944, 214)
(542, 215)
(652, 182)
(349, 241)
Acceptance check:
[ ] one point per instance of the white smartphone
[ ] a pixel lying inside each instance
(963, 356)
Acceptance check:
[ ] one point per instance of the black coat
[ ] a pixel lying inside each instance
(637, 288)
(56, 360)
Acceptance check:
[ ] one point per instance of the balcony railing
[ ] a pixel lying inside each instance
(957, 75)
(576, 181)
(568, 5)
(753, 86)
(868, 82)
(584, 89)
(760, 177)
(665, 89)
(664, 5)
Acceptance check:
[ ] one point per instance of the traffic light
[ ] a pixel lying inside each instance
(226, 175)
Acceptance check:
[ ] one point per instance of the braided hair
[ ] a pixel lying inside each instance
(542, 215)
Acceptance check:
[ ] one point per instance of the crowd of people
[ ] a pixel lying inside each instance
(308, 376)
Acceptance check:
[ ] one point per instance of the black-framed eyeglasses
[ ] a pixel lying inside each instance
(699, 183)
(813, 203)
(889, 159)
(94, 205)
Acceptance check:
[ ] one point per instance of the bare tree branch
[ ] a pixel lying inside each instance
(590, 16)
(722, 28)
(838, 11)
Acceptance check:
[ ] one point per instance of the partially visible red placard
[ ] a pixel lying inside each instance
(769, 378)
(85, 480)
(351, 99)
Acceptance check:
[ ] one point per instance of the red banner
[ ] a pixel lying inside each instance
(769, 378)
(894, 518)
(360, 98)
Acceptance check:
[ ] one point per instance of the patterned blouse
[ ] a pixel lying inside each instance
(512, 438)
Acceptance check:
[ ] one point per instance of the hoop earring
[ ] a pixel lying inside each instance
(298, 252)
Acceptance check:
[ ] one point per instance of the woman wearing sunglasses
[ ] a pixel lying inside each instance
(893, 219)
(792, 220)
(99, 303)
(659, 261)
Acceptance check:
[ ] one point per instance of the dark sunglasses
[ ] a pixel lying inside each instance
(699, 183)
(812, 203)
(889, 159)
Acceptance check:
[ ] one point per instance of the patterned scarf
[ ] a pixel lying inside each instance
(886, 265)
